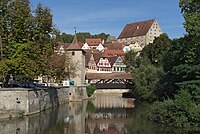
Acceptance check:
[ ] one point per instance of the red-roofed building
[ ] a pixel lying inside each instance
(114, 52)
(142, 32)
(93, 43)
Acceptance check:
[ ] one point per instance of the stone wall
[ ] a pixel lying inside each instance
(30, 101)
(45, 122)
(24, 101)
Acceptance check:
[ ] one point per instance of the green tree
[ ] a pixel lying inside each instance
(103, 36)
(4, 69)
(60, 67)
(131, 60)
(156, 49)
(182, 67)
(191, 12)
(43, 29)
(90, 90)
(23, 60)
(66, 38)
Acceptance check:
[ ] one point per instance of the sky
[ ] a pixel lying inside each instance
(111, 16)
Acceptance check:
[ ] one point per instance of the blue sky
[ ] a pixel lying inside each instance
(111, 16)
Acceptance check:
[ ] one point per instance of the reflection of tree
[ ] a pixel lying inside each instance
(140, 123)
(90, 107)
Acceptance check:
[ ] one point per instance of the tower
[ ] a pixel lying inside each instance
(77, 56)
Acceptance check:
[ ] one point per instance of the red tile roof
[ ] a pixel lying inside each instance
(89, 51)
(115, 46)
(114, 52)
(105, 55)
(93, 41)
(136, 29)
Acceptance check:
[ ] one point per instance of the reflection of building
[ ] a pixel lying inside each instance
(75, 122)
(112, 102)
(105, 128)
(112, 116)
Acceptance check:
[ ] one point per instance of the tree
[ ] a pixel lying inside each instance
(23, 60)
(26, 39)
(4, 69)
(60, 67)
(16, 21)
(191, 12)
(182, 68)
(66, 38)
(130, 60)
(156, 49)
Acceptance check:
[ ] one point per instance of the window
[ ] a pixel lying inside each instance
(73, 53)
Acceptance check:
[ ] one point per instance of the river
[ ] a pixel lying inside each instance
(106, 114)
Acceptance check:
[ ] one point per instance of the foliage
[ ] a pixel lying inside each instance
(182, 80)
(90, 90)
(60, 67)
(90, 107)
(146, 81)
(155, 50)
(4, 69)
(191, 12)
(180, 112)
(28, 39)
(23, 60)
(130, 60)
(67, 38)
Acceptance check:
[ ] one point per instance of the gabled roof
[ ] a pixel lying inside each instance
(87, 59)
(112, 60)
(97, 57)
(93, 41)
(136, 29)
(96, 54)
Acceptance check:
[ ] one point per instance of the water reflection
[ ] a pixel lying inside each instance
(112, 115)
(105, 114)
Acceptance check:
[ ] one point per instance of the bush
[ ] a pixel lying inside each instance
(90, 90)
(180, 112)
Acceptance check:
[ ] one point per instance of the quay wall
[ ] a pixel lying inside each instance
(25, 101)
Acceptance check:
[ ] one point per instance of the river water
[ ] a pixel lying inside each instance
(106, 114)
